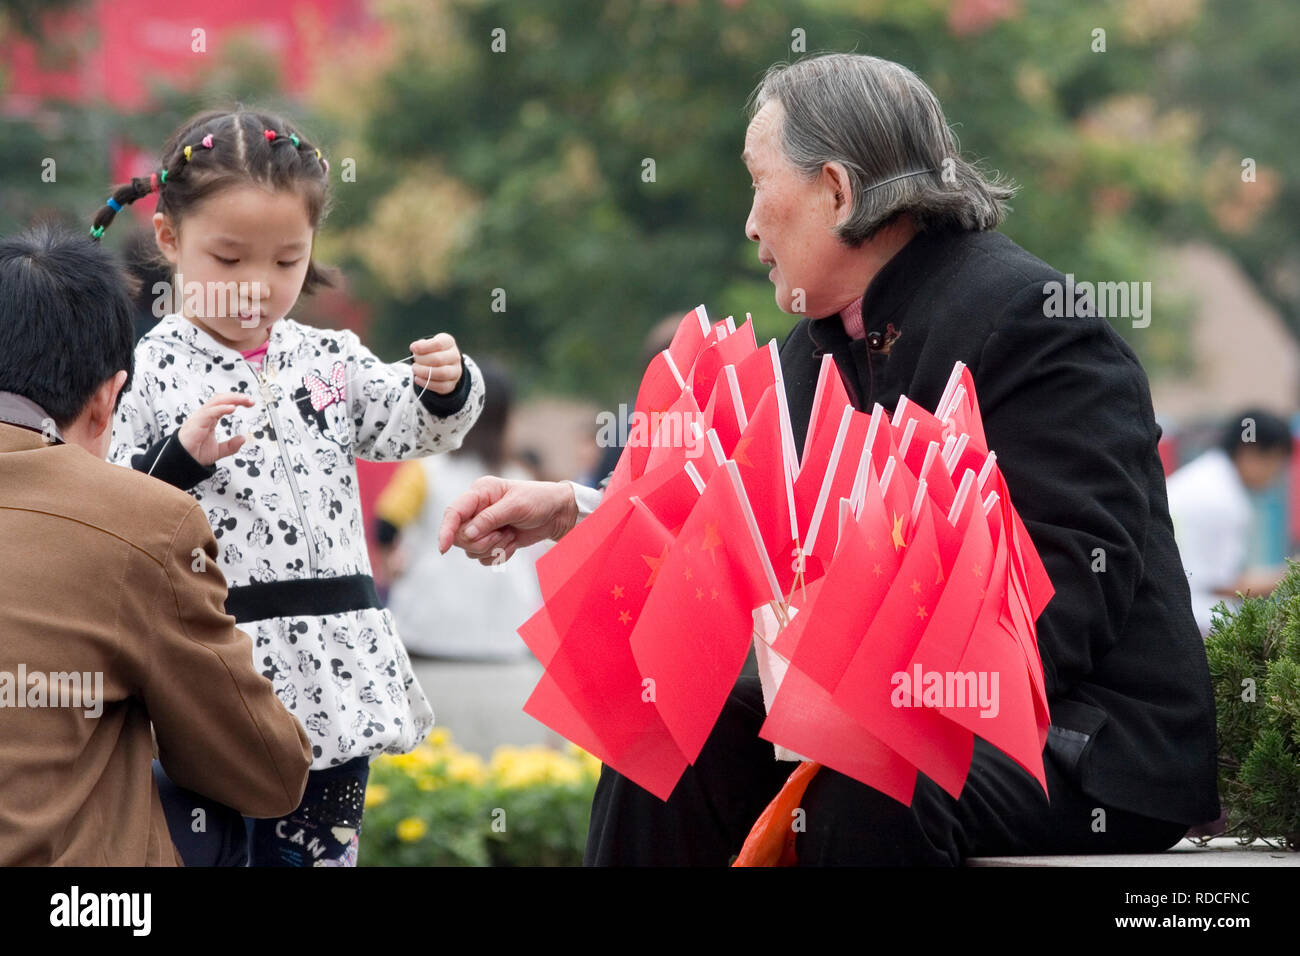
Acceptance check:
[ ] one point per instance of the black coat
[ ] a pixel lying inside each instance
(1067, 408)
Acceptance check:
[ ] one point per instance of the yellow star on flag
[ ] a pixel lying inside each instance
(711, 540)
(899, 543)
(654, 565)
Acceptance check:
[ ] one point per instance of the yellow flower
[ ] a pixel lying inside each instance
(426, 782)
(466, 768)
(411, 829)
(376, 794)
(439, 737)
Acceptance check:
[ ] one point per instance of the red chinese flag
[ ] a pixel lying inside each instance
(594, 669)
(690, 337)
(957, 611)
(766, 473)
(725, 412)
(965, 416)
(871, 688)
(927, 429)
(805, 719)
(857, 580)
(822, 529)
(660, 387)
(695, 631)
(731, 350)
(672, 431)
(756, 373)
(829, 398)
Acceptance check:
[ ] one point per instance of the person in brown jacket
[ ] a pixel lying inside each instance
(112, 607)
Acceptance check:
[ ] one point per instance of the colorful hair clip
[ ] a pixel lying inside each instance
(187, 153)
(207, 141)
(269, 134)
(162, 177)
(97, 232)
(153, 182)
(293, 138)
(113, 204)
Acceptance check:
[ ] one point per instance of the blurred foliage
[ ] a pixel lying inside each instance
(442, 806)
(522, 170)
(1254, 654)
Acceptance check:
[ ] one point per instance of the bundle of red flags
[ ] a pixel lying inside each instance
(881, 573)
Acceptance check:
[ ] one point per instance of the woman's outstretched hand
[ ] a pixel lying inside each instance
(497, 516)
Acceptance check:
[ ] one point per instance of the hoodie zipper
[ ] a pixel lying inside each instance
(269, 398)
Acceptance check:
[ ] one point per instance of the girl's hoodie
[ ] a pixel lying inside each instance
(286, 512)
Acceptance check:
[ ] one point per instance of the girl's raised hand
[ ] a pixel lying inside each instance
(437, 363)
(197, 434)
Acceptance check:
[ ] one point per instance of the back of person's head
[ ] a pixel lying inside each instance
(487, 439)
(1258, 429)
(65, 319)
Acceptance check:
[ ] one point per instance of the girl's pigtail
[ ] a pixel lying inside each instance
(137, 188)
(141, 186)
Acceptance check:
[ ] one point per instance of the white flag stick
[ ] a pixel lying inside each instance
(908, 432)
(864, 461)
(899, 408)
(823, 495)
(959, 500)
(731, 324)
(715, 445)
(672, 367)
(918, 501)
(787, 430)
(987, 469)
(958, 397)
(702, 314)
(819, 393)
(733, 383)
(756, 539)
(953, 379)
(958, 449)
(886, 473)
(931, 453)
(694, 476)
(990, 501)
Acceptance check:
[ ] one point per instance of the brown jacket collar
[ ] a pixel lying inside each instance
(17, 410)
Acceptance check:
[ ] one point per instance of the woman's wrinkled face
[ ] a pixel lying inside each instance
(240, 258)
(793, 220)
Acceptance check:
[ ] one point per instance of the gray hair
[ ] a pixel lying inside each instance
(886, 127)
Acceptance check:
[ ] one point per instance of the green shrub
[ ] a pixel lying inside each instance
(1254, 655)
(441, 806)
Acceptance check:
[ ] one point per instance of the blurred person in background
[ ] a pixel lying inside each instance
(1210, 503)
(657, 339)
(447, 607)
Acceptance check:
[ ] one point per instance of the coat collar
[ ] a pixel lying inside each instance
(19, 410)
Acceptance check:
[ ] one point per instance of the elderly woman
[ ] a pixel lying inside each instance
(882, 237)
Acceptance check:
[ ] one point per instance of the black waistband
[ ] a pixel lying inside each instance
(304, 598)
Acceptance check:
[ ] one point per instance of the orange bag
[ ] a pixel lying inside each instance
(771, 839)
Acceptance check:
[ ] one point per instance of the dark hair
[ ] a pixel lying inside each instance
(487, 439)
(65, 319)
(241, 153)
(1271, 432)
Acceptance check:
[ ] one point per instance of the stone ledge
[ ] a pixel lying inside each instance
(1222, 851)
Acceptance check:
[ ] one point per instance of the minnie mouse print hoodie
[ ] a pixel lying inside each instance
(286, 513)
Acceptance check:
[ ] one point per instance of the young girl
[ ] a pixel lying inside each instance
(240, 196)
